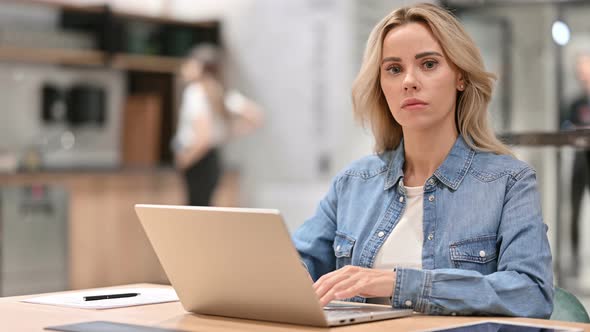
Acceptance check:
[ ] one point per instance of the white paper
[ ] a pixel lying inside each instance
(76, 299)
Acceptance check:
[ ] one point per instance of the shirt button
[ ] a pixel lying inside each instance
(430, 237)
(338, 248)
(431, 198)
(408, 303)
(431, 181)
(380, 234)
(482, 254)
(401, 199)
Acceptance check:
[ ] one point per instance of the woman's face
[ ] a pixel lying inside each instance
(417, 79)
(583, 70)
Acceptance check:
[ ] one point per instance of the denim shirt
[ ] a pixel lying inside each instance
(485, 249)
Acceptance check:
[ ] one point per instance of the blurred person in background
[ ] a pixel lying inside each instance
(209, 117)
(442, 219)
(578, 117)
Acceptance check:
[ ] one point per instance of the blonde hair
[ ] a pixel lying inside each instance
(370, 105)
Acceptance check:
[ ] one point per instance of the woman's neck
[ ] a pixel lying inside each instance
(425, 151)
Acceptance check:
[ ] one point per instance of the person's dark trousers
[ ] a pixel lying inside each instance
(202, 177)
(580, 180)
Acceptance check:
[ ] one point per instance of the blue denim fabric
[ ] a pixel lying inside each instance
(485, 248)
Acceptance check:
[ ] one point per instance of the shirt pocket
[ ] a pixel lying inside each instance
(343, 248)
(477, 254)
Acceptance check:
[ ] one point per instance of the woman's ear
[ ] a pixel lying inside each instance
(460, 83)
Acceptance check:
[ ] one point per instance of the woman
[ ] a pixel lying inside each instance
(442, 219)
(208, 118)
(578, 117)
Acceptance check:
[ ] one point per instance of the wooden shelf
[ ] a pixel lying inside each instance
(98, 8)
(149, 63)
(52, 55)
(203, 30)
(164, 19)
(60, 5)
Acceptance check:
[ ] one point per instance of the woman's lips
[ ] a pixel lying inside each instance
(413, 104)
(417, 106)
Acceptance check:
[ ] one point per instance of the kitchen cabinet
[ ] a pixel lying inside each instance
(107, 245)
(33, 239)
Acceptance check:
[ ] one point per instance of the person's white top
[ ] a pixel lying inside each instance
(403, 247)
(195, 103)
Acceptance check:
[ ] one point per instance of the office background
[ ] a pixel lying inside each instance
(69, 178)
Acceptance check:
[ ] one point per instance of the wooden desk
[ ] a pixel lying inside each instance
(19, 316)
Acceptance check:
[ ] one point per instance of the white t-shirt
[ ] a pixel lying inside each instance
(403, 247)
(195, 103)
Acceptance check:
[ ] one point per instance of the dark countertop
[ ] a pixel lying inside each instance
(579, 138)
(58, 175)
(93, 170)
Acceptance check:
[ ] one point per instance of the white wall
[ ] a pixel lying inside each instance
(294, 58)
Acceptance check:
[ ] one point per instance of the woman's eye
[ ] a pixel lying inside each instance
(429, 64)
(394, 69)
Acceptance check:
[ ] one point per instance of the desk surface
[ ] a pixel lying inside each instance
(19, 316)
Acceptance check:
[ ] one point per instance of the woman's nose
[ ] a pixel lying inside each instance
(410, 82)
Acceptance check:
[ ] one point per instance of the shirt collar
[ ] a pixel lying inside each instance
(451, 172)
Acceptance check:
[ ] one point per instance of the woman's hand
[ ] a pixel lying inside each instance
(351, 281)
(249, 118)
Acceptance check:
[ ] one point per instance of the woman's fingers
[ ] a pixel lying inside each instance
(348, 292)
(323, 279)
(351, 281)
(327, 282)
(340, 290)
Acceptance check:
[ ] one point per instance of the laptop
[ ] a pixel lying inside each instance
(238, 262)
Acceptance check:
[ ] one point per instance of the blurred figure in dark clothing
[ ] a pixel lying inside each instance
(210, 116)
(578, 117)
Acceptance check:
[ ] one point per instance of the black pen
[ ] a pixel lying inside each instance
(109, 296)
